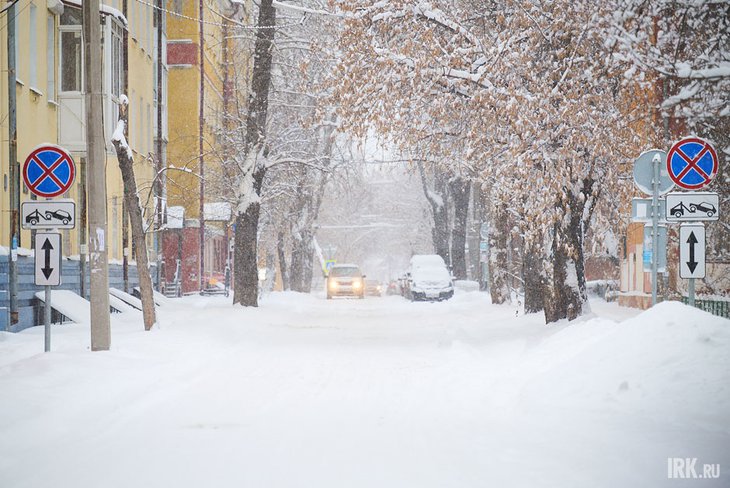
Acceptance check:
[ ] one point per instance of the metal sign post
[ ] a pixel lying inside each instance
(692, 255)
(47, 273)
(655, 227)
(651, 177)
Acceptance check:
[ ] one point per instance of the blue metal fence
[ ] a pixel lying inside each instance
(28, 308)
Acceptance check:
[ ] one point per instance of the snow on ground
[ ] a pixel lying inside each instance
(368, 393)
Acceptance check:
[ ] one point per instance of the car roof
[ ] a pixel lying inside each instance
(345, 266)
(430, 259)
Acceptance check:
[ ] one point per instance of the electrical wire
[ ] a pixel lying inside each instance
(218, 24)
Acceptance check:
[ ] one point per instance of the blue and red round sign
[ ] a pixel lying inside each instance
(692, 163)
(49, 171)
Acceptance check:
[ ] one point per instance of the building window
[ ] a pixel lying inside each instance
(51, 57)
(17, 44)
(71, 59)
(149, 128)
(33, 48)
(140, 128)
(131, 113)
(71, 16)
(117, 59)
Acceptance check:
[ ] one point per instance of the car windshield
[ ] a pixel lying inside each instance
(345, 271)
(431, 273)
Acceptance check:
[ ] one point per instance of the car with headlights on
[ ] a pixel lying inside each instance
(345, 280)
(373, 288)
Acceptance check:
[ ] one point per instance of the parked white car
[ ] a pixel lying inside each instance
(428, 278)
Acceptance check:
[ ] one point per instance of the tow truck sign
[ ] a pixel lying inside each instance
(48, 214)
(692, 207)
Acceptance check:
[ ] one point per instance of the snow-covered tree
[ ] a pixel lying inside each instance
(522, 89)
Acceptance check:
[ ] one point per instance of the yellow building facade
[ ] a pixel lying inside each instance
(195, 146)
(183, 29)
(50, 103)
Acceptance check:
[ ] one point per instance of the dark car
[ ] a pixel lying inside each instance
(373, 288)
(61, 215)
(708, 208)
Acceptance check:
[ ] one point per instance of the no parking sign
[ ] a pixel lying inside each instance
(49, 171)
(692, 163)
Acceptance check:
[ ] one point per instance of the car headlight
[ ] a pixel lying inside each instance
(356, 284)
(333, 285)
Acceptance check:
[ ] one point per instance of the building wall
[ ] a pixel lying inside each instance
(37, 117)
(39, 113)
(184, 132)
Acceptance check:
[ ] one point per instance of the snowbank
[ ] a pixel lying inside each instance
(360, 393)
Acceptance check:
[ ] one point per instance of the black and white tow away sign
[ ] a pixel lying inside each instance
(692, 251)
(697, 206)
(47, 259)
(45, 214)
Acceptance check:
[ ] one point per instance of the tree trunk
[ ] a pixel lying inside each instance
(124, 156)
(302, 255)
(297, 262)
(566, 296)
(246, 277)
(459, 189)
(308, 262)
(533, 276)
(247, 219)
(498, 233)
(281, 252)
(439, 211)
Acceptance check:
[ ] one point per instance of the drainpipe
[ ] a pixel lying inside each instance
(158, 146)
(201, 114)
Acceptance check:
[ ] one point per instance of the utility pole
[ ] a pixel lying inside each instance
(98, 264)
(158, 146)
(83, 212)
(201, 115)
(14, 169)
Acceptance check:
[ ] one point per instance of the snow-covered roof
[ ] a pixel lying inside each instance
(175, 217)
(220, 211)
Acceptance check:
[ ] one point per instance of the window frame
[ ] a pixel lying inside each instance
(51, 57)
(70, 29)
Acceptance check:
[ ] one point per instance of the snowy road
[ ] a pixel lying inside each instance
(379, 392)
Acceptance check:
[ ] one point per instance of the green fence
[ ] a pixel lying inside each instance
(715, 307)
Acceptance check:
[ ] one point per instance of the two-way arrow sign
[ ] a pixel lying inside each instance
(47, 259)
(692, 251)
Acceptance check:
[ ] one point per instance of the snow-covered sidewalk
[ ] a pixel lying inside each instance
(368, 393)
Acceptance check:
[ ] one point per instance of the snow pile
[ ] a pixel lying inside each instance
(383, 392)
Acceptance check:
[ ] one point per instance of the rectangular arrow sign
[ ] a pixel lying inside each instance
(692, 251)
(47, 258)
(46, 214)
(694, 206)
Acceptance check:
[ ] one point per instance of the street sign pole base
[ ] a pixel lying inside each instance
(47, 318)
